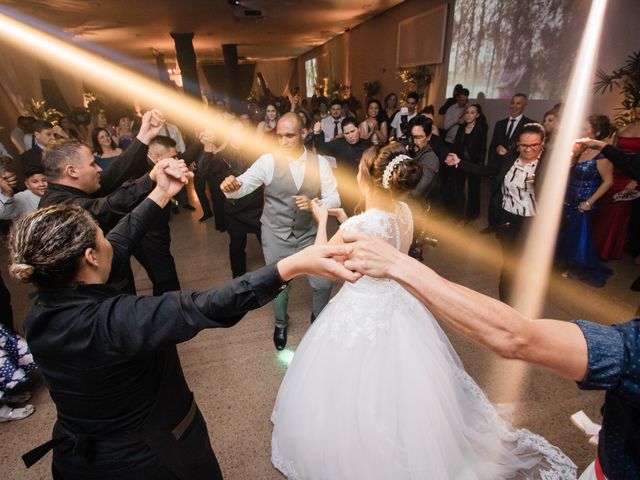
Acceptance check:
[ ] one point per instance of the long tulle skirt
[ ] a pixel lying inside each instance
(376, 391)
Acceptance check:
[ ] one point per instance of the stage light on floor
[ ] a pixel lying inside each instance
(285, 357)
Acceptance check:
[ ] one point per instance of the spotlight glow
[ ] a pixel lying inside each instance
(127, 85)
(285, 357)
(533, 277)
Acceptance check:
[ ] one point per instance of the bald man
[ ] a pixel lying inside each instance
(292, 176)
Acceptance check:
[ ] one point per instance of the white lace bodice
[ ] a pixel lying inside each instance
(394, 227)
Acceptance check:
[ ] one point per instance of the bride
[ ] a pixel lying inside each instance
(376, 391)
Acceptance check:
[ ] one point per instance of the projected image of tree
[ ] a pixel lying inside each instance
(503, 47)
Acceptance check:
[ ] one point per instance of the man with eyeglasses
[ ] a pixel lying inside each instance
(515, 190)
(401, 119)
(292, 177)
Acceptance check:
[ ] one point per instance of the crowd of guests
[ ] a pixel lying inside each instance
(241, 193)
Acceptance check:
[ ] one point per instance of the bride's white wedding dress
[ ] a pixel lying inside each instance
(376, 391)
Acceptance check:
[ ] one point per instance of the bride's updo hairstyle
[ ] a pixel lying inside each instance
(46, 245)
(388, 168)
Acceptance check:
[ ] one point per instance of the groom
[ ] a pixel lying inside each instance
(292, 176)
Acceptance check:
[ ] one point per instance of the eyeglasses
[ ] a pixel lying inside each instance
(533, 146)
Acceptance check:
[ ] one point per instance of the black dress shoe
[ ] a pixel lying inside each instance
(280, 337)
(204, 218)
(188, 206)
(489, 229)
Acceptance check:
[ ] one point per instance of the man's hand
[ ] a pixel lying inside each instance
(302, 202)
(207, 138)
(5, 188)
(57, 130)
(10, 178)
(452, 160)
(318, 260)
(230, 184)
(501, 150)
(370, 255)
(152, 123)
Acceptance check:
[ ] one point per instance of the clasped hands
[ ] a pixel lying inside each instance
(361, 254)
(170, 175)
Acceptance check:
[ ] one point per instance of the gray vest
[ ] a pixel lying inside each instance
(280, 214)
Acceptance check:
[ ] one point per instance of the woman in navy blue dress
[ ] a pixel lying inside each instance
(591, 176)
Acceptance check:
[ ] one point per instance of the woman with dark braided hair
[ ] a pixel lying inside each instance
(376, 391)
(124, 409)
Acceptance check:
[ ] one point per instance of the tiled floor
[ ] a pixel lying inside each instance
(235, 373)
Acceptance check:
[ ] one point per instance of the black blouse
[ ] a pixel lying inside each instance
(107, 357)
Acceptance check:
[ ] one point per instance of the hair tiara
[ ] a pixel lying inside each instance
(386, 176)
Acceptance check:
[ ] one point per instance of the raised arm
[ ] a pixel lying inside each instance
(128, 325)
(559, 346)
(629, 163)
(254, 177)
(489, 170)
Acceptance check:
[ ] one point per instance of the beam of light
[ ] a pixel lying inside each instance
(125, 84)
(532, 279)
(537, 259)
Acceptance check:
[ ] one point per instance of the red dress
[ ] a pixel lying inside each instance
(611, 219)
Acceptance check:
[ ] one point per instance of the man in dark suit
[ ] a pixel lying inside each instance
(518, 179)
(505, 135)
(153, 251)
(43, 135)
(241, 215)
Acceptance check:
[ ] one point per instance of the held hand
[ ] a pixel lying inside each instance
(319, 210)
(501, 150)
(581, 144)
(632, 185)
(207, 139)
(318, 260)
(339, 213)
(171, 175)
(152, 123)
(370, 255)
(452, 160)
(230, 184)
(302, 202)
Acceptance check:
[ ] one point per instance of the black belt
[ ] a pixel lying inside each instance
(82, 443)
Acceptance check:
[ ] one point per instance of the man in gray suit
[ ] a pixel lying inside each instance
(292, 177)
